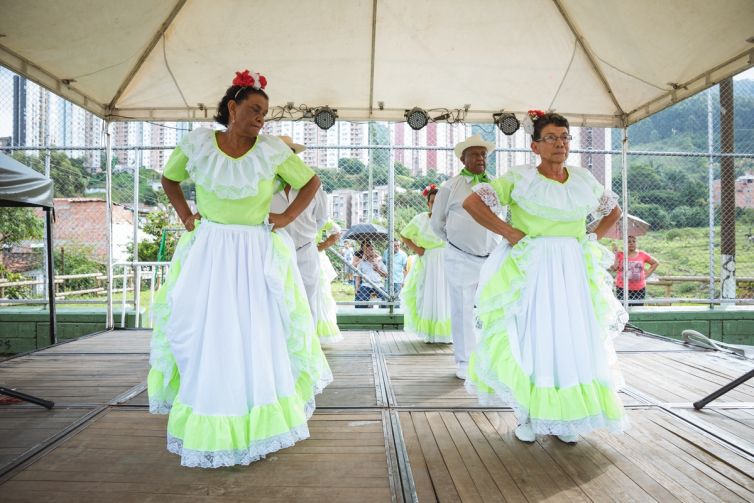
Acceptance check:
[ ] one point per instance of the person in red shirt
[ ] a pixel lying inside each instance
(637, 272)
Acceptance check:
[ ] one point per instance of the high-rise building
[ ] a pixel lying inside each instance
(19, 111)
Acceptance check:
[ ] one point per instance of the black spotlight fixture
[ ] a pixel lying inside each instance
(417, 118)
(507, 122)
(325, 117)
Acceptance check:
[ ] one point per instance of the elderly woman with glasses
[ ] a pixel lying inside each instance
(545, 299)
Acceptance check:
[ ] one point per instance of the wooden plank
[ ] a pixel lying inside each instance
(420, 472)
(598, 478)
(567, 489)
(354, 341)
(395, 343)
(500, 475)
(427, 381)
(721, 465)
(105, 459)
(685, 377)
(353, 385)
(646, 457)
(442, 481)
(533, 479)
(117, 341)
(618, 459)
(666, 457)
(483, 481)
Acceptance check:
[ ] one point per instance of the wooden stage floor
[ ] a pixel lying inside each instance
(395, 425)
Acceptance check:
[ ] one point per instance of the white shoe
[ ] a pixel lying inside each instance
(569, 439)
(461, 373)
(525, 433)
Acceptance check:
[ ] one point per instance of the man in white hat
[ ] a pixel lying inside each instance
(304, 228)
(469, 244)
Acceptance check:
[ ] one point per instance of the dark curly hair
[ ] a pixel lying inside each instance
(546, 119)
(223, 116)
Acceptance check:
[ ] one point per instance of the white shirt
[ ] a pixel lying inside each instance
(367, 270)
(304, 228)
(454, 224)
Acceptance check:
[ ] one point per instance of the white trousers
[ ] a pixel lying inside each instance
(462, 273)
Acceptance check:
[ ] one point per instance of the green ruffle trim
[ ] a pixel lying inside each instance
(229, 433)
(164, 379)
(431, 331)
(497, 378)
(328, 331)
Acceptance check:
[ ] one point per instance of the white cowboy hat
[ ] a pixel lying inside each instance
(473, 141)
(296, 147)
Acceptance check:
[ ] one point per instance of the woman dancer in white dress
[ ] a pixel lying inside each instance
(424, 297)
(545, 301)
(234, 358)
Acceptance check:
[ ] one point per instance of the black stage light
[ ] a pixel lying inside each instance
(325, 117)
(507, 122)
(416, 118)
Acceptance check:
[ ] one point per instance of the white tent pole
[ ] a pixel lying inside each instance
(624, 197)
(391, 219)
(109, 323)
(137, 292)
(371, 58)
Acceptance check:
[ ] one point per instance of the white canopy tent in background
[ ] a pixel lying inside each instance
(606, 63)
(21, 186)
(599, 62)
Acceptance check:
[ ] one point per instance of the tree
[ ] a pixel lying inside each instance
(19, 224)
(685, 216)
(379, 134)
(350, 166)
(401, 170)
(333, 179)
(657, 217)
(431, 177)
(157, 224)
(77, 260)
(69, 175)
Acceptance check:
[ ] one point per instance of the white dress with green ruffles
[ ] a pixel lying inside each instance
(234, 355)
(424, 296)
(546, 308)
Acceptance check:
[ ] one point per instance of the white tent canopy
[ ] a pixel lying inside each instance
(599, 62)
(22, 186)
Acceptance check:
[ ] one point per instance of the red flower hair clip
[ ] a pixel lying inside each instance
(528, 122)
(535, 114)
(247, 79)
(429, 188)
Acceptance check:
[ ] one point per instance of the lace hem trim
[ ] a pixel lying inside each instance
(256, 451)
(504, 397)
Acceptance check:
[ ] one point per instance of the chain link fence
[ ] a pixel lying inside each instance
(690, 193)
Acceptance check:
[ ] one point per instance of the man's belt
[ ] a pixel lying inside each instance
(467, 253)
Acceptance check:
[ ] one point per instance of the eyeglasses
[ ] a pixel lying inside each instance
(551, 138)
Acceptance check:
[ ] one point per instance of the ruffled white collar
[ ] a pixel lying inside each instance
(231, 177)
(573, 199)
